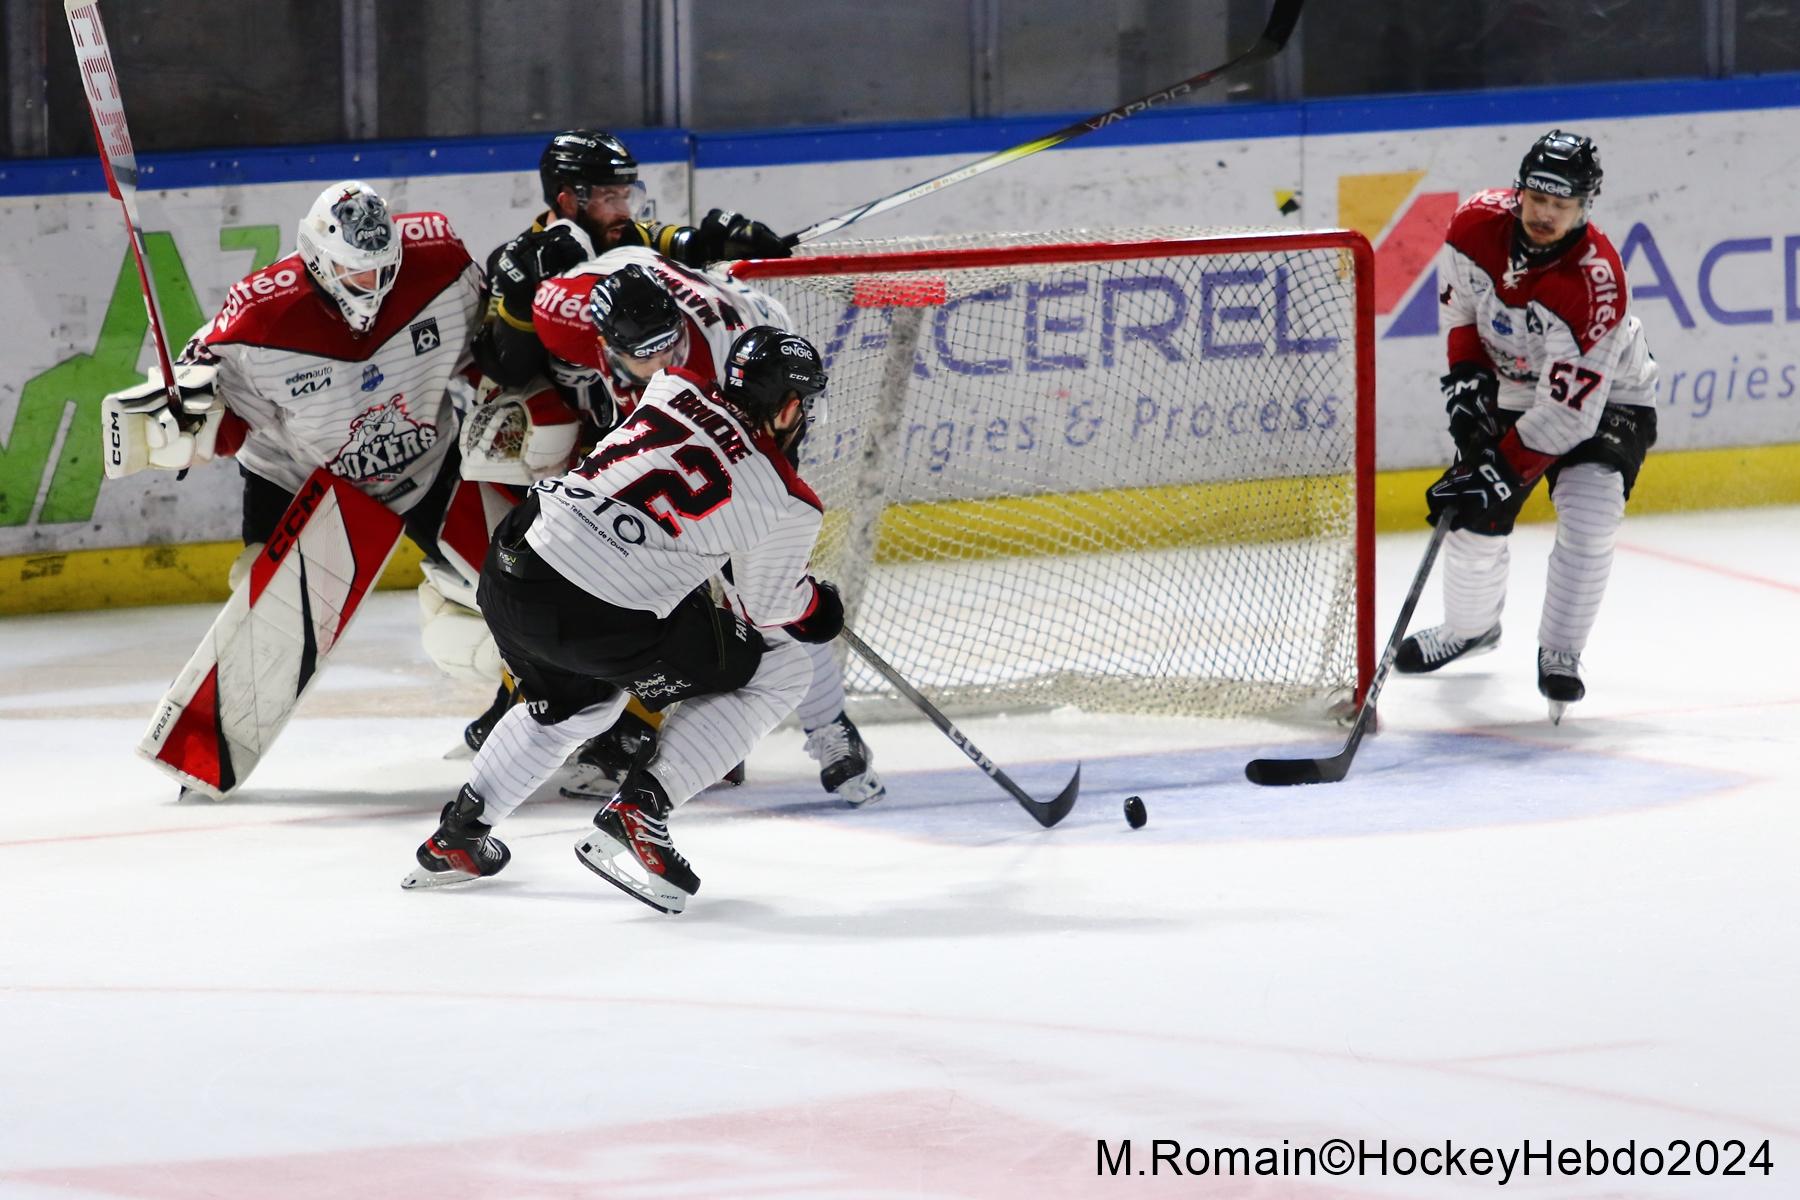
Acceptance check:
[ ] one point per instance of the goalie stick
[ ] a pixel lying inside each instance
(1282, 19)
(106, 109)
(1046, 813)
(1281, 772)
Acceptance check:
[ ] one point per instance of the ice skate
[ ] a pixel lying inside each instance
(630, 847)
(476, 731)
(1432, 648)
(1559, 679)
(462, 849)
(844, 762)
(602, 764)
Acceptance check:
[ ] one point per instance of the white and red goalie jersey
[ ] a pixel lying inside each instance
(369, 408)
(665, 500)
(717, 308)
(1557, 334)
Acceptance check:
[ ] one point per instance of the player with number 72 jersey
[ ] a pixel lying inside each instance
(679, 489)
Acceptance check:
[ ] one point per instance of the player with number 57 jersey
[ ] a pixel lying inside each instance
(1549, 377)
(1551, 322)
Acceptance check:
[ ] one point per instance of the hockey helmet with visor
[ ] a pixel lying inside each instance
(592, 163)
(765, 369)
(638, 321)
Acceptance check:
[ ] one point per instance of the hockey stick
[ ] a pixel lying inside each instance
(1282, 19)
(1046, 813)
(1281, 772)
(106, 109)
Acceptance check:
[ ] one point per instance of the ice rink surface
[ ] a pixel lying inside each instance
(1494, 930)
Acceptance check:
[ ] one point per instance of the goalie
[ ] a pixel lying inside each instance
(328, 375)
(1549, 377)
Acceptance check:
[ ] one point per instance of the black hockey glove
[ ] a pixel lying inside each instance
(1482, 494)
(1471, 396)
(516, 269)
(825, 621)
(728, 235)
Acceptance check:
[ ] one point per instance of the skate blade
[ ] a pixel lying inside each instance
(597, 854)
(419, 878)
(460, 750)
(1557, 709)
(861, 790)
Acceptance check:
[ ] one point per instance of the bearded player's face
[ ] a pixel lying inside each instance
(1547, 219)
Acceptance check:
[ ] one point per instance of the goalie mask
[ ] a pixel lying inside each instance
(639, 323)
(765, 367)
(351, 249)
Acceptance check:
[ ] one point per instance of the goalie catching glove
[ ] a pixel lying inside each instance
(517, 436)
(139, 429)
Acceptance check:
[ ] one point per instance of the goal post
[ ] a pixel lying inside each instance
(1125, 470)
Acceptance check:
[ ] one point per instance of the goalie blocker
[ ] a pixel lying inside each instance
(266, 646)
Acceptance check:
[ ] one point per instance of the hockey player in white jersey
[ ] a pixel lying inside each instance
(596, 586)
(332, 362)
(1549, 376)
(609, 326)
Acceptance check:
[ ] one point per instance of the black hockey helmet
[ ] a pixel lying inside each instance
(635, 313)
(582, 158)
(1562, 164)
(764, 365)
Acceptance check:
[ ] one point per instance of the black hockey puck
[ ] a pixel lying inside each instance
(1135, 816)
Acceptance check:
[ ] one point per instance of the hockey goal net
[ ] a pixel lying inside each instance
(1123, 470)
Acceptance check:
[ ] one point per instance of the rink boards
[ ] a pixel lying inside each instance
(1714, 269)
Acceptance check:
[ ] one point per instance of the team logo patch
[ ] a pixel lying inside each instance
(372, 377)
(1502, 326)
(425, 336)
(384, 438)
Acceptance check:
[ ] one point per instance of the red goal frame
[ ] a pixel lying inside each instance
(1349, 241)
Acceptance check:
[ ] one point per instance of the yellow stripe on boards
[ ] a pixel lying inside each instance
(1084, 522)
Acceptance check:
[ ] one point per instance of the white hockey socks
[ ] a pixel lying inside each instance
(709, 735)
(1590, 503)
(520, 754)
(1475, 568)
(824, 699)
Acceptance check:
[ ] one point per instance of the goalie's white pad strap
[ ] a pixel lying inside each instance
(266, 646)
(518, 437)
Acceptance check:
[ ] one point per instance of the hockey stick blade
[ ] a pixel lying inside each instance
(1280, 26)
(1045, 813)
(1285, 772)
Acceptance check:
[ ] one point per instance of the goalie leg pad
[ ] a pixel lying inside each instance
(266, 646)
(455, 636)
